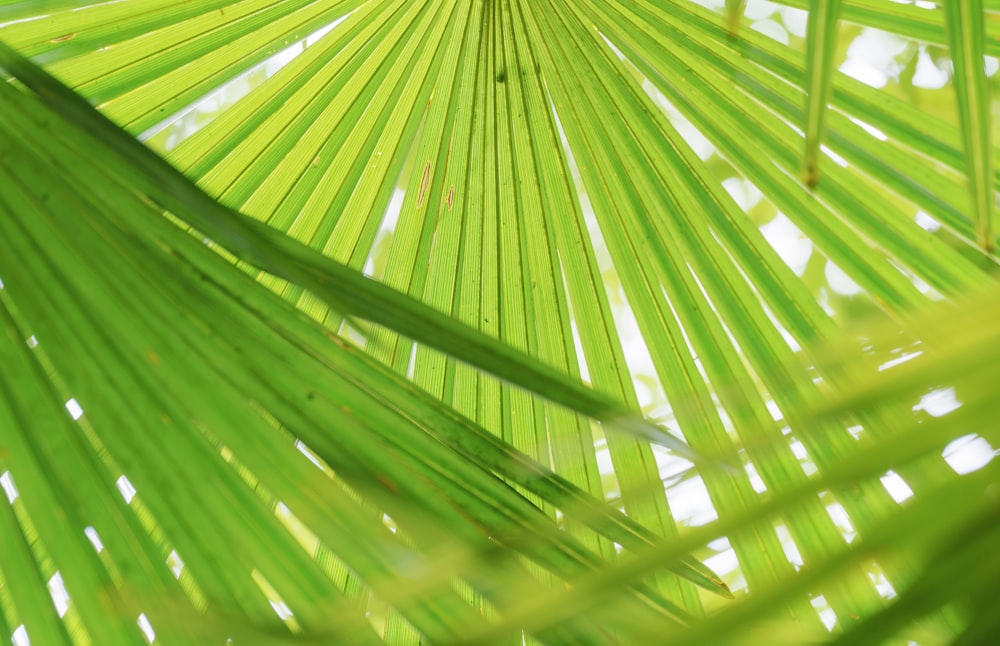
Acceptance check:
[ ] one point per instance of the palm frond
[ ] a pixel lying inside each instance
(244, 334)
(965, 36)
(822, 41)
(454, 205)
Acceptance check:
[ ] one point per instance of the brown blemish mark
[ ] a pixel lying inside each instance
(387, 483)
(451, 196)
(153, 359)
(336, 338)
(424, 181)
(810, 175)
(63, 38)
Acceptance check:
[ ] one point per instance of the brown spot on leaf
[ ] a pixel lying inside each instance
(810, 175)
(387, 483)
(424, 181)
(63, 38)
(451, 196)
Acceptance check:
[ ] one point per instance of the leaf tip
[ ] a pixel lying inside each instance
(810, 174)
(734, 14)
(733, 27)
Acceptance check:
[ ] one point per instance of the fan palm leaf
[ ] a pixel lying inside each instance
(447, 214)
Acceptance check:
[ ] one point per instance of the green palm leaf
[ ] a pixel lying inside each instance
(326, 368)
(822, 39)
(965, 36)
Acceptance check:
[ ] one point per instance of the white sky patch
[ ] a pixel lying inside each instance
(789, 547)
(9, 488)
(723, 562)
(306, 451)
(772, 30)
(906, 356)
(637, 356)
(799, 451)
(391, 215)
(871, 57)
(95, 538)
(74, 408)
(823, 300)
(701, 146)
(927, 222)
(57, 589)
(126, 488)
(578, 346)
(864, 72)
(760, 9)
(755, 480)
(938, 402)
(281, 609)
(20, 635)
(795, 20)
(969, 453)
(927, 74)
(882, 585)
(826, 613)
(96, 4)
(411, 367)
(617, 51)
(720, 544)
(837, 159)
(743, 192)
(926, 289)
(793, 344)
(389, 522)
(788, 241)
(839, 281)
(772, 407)
(896, 486)
(643, 391)
(369, 269)
(840, 518)
(175, 563)
(604, 464)
(669, 465)
(146, 627)
(870, 129)
(711, 4)
(690, 503)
